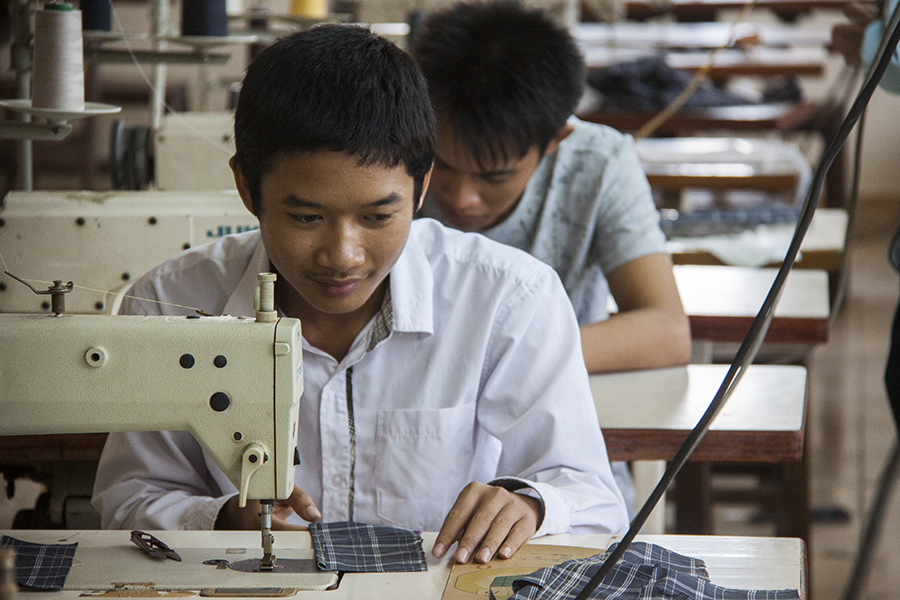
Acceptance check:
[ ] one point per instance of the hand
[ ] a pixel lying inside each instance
(231, 516)
(487, 518)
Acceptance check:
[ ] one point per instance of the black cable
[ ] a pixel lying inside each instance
(747, 351)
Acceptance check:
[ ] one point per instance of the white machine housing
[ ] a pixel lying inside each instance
(233, 382)
(103, 240)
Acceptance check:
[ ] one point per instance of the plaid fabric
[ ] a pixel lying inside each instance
(360, 548)
(645, 572)
(41, 566)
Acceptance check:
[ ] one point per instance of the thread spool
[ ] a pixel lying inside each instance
(314, 9)
(234, 8)
(96, 15)
(204, 17)
(58, 71)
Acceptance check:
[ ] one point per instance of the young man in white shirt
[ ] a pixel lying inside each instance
(444, 387)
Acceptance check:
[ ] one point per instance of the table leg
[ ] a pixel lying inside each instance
(693, 504)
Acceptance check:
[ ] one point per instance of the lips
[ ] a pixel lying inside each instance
(338, 287)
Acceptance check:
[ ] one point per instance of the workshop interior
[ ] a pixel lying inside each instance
(767, 463)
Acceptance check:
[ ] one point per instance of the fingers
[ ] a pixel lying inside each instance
(231, 516)
(303, 504)
(487, 520)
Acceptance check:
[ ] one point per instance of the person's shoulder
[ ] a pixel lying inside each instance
(202, 271)
(472, 254)
(593, 137)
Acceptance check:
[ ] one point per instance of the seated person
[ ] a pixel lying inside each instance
(514, 164)
(444, 387)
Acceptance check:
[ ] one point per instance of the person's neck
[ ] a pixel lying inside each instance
(333, 334)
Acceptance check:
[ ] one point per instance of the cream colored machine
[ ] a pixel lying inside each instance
(103, 241)
(233, 382)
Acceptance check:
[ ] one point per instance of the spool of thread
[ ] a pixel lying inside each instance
(315, 9)
(204, 17)
(58, 71)
(234, 8)
(96, 15)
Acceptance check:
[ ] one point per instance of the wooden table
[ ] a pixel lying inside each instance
(706, 10)
(647, 415)
(734, 562)
(779, 117)
(822, 247)
(684, 36)
(722, 163)
(721, 303)
(754, 62)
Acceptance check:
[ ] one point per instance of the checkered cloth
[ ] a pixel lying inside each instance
(360, 548)
(40, 566)
(645, 572)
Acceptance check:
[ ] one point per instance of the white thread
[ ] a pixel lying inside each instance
(58, 71)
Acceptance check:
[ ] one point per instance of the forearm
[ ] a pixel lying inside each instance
(155, 480)
(644, 338)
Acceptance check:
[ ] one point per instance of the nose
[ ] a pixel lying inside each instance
(460, 193)
(342, 251)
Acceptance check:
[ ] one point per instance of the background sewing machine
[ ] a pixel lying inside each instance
(104, 240)
(233, 382)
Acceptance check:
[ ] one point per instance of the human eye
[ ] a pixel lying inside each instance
(381, 217)
(306, 219)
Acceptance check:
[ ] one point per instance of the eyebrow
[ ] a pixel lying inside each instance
(498, 172)
(294, 201)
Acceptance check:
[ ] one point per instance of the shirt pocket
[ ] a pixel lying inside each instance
(424, 459)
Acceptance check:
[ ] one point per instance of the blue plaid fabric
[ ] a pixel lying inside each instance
(360, 548)
(40, 566)
(645, 572)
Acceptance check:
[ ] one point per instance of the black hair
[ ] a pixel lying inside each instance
(339, 88)
(506, 77)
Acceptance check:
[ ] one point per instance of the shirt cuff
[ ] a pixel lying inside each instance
(203, 514)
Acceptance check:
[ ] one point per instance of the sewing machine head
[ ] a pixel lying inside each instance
(233, 382)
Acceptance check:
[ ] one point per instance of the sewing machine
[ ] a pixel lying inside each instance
(104, 241)
(233, 382)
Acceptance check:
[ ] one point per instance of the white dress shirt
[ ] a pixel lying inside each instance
(477, 376)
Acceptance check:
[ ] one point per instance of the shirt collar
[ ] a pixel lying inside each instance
(412, 288)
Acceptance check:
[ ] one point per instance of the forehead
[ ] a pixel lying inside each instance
(335, 179)
(458, 153)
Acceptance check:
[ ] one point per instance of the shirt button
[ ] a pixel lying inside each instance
(337, 480)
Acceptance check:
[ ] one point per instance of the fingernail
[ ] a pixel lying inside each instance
(462, 555)
(484, 556)
(438, 550)
(315, 514)
(506, 552)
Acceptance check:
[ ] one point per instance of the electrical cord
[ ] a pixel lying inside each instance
(750, 346)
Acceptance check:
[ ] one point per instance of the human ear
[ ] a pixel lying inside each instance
(425, 181)
(562, 134)
(243, 187)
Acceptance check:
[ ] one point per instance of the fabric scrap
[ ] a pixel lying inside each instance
(645, 572)
(360, 548)
(40, 566)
